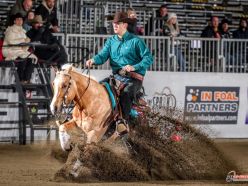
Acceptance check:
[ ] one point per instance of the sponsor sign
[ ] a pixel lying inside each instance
(162, 101)
(211, 105)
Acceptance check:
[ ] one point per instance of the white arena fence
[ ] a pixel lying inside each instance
(171, 54)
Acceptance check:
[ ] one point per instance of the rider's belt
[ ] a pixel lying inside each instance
(135, 75)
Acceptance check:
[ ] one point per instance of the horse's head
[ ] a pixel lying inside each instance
(64, 90)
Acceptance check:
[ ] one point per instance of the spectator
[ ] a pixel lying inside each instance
(156, 24)
(133, 28)
(212, 30)
(224, 29)
(227, 49)
(48, 11)
(40, 33)
(15, 35)
(210, 47)
(242, 31)
(171, 29)
(241, 52)
(22, 7)
(27, 26)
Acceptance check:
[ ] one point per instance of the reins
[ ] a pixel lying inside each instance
(67, 108)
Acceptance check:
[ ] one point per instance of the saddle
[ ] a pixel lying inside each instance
(114, 85)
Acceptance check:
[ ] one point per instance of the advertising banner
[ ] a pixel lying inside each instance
(216, 103)
(211, 105)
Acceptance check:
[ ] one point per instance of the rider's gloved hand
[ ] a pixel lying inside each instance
(128, 68)
(89, 63)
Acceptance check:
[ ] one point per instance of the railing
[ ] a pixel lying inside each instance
(81, 17)
(173, 54)
(90, 16)
(12, 107)
(196, 54)
(234, 55)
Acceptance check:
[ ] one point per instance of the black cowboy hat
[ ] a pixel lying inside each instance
(122, 17)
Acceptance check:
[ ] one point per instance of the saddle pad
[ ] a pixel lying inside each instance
(111, 95)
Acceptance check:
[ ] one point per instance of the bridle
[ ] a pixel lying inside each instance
(67, 107)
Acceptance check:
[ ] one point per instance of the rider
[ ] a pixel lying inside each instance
(127, 53)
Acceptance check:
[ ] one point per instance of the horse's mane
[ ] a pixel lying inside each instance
(77, 70)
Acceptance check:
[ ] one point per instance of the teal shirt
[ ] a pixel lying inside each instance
(130, 50)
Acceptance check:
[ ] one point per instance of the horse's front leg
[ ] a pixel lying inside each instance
(64, 137)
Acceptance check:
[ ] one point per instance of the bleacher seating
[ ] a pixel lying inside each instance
(83, 16)
(4, 9)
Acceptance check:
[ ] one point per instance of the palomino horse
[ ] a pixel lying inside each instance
(92, 105)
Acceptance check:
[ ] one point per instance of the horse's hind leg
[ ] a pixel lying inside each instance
(94, 136)
(64, 137)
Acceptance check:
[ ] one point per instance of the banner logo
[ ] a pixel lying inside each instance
(163, 101)
(211, 105)
(233, 177)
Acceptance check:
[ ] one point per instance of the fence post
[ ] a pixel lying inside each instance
(172, 54)
(222, 57)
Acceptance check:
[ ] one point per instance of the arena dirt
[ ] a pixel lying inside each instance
(153, 160)
(148, 154)
(35, 165)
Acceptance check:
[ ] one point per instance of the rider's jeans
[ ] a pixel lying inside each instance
(128, 95)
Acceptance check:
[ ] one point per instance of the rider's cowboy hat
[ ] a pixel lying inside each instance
(37, 19)
(122, 17)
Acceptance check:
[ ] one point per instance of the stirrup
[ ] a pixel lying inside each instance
(122, 127)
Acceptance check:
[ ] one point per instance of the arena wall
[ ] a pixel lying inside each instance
(214, 102)
(219, 99)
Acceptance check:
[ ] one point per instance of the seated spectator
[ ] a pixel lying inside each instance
(27, 25)
(15, 35)
(171, 29)
(48, 12)
(40, 33)
(155, 24)
(22, 7)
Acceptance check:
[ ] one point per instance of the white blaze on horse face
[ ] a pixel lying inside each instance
(54, 102)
